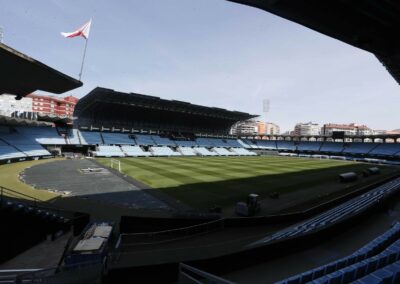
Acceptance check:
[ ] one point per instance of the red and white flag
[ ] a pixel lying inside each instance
(82, 31)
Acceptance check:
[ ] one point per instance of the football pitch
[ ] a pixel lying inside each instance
(204, 182)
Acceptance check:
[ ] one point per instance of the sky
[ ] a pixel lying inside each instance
(208, 52)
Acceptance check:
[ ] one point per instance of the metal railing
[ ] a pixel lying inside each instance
(135, 239)
(191, 275)
(88, 272)
(7, 194)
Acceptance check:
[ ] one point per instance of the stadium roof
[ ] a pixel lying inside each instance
(370, 25)
(21, 75)
(14, 121)
(108, 108)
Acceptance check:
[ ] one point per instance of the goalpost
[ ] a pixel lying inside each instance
(115, 162)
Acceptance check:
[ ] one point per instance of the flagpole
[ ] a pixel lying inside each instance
(83, 58)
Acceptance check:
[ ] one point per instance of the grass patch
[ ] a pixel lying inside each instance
(9, 178)
(202, 182)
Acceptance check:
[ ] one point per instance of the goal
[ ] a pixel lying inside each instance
(115, 163)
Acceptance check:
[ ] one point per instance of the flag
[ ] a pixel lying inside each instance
(82, 31)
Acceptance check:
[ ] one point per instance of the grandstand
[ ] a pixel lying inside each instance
(348, 150)
(17, 146)
(136, 111)
(330, 217)
(164, 131)
(378, 261)
(34, 141)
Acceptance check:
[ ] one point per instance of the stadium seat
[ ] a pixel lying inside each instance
(285, 145)
(185, 143)
(187, 151)
(216, 142)
(74, 137)
(90, 138)
(266, 144)
(223, 151)
(42, 135)
(243, 152)
(17, 145)
(144, 140)
(204, 142)
(334, 215)
(162, 141)
(379, 259)
(386, 149)
(244, 143)
(117, 139)
(9, 152)
(332, 147)
(358, 148)
(109, 151)
(35, 150)
(309, 146)
(251, 144)
(233, 143)
(202, 151)
(134, 151)
(163, 151)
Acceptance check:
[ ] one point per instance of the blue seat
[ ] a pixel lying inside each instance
(318, 272)
(377, 254)
(348, 274)
(360, 269)
(306, 276)
(335, 277)
(293, 280)
(395, 269)
(372, 264)
(386, 276)
(329, 268)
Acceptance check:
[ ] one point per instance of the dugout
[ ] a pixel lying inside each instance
(348, 177)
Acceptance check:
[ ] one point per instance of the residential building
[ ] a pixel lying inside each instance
(351, 129)
(247, 127)
(53, 106)
(307, 129)
(271, 129)
(9, 106)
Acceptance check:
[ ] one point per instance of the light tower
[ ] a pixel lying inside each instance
(266, 104)
(1, 34)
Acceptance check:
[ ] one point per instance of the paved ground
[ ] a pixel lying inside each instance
(105, 186)
(47, 254)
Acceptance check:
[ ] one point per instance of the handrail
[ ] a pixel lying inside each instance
(169, 235)
(37, 274)
(189, 274)
(175, 230)
(19, 193)
(35, 202)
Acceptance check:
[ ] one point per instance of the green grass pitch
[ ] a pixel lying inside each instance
(202, 182)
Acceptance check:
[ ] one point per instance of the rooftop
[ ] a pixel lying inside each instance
(21, 75)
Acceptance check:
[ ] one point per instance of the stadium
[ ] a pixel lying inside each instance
(136, 187)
